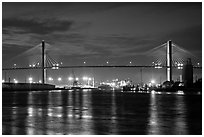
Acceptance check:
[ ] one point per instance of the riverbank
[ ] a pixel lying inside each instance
(26, 86)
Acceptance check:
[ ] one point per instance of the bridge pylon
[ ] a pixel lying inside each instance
(169, 60)
(43, 63)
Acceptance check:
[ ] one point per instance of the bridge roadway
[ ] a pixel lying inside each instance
(92, 66)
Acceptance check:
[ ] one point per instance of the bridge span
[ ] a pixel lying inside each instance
(93, 66)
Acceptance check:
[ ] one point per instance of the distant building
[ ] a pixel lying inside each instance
(188, 73)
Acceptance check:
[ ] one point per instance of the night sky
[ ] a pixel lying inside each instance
(96, 33)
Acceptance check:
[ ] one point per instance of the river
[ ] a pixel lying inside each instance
(85, 112)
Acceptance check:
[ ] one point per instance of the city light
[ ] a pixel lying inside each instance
(85, 78)
(55, 66)
(40, 81)
(107, 62)
(77, 78)
(112, 84)
(15, 81)
(130, 62)
(89, 78)
(3, 80)
(153, 92)
(180, 66)
(180, 92)
(84, 62)
(50, 78)
(30, 65)
(157, 65)
(153, 81)
(70, 78)
(33, 65)
(59, 79)
(30, 79)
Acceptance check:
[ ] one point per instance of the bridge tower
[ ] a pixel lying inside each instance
(169, 60)
(43, 63)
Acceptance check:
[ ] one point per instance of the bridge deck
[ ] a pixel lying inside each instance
(92, 66)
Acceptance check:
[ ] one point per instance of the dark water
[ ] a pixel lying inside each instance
(94, 112)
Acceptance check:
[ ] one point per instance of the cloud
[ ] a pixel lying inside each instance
(17, 39)
(98, 50)
(100, 46)
(10, 54)
(36, 26)
(189, 37)
(23, 32)
(124, 45)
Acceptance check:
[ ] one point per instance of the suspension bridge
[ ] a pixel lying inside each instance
(168, 55)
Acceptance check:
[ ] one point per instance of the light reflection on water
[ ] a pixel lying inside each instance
(94, 112)
(60, 114)
(161, 123)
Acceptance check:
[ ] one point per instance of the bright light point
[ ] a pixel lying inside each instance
(40, 81)
(33, 65)
(15, 81)
(153, 92)
(130, 62)
(50, 79)
(30, 78)
(180, 92)
(153, 81)
(30, 65)
(14, 64)
(113, 84)
(85, 78)
(61, 63)
(59, 79)
(84, 62)
(107, 62)
(3, 80)
(57, 64)
(59, 115)
(70, 78)
(77, 79)
(89, 78)
(198, 63)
